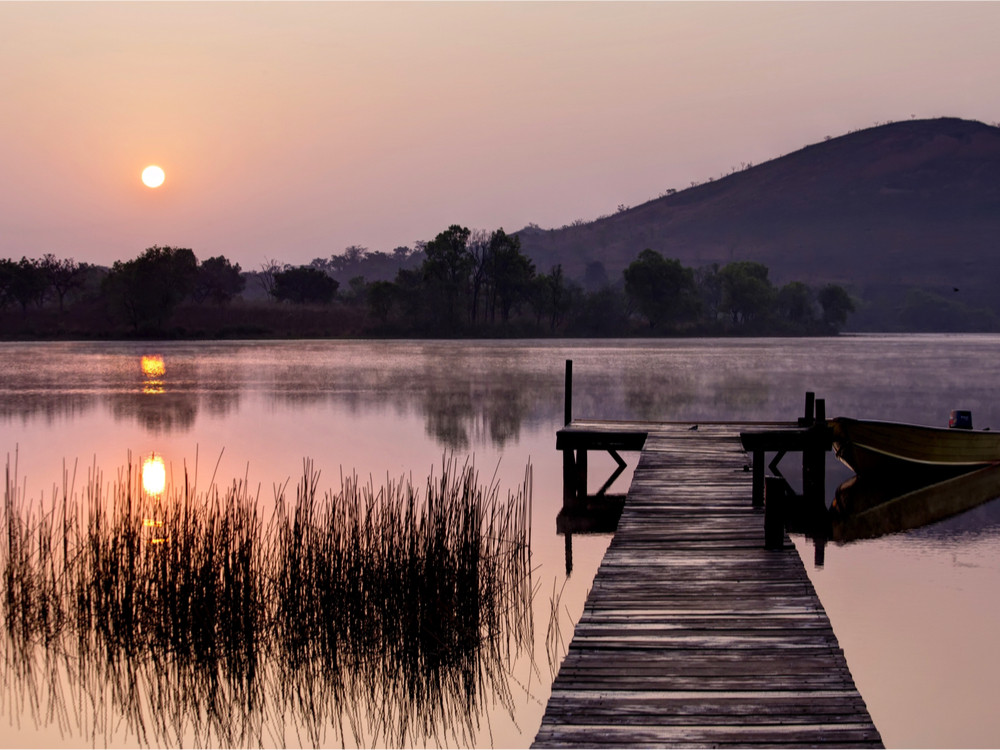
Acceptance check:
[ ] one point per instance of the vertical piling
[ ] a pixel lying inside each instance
(807, 419)
(569, 391)
(774, 513)
(814, 456)
(757, 492)
(570, 468)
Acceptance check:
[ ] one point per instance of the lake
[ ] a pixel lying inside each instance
(915, 613)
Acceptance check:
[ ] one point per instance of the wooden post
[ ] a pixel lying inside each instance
(814, 458)
(807, 419)
(569, 391)
(774, 513)
(819, 552)
(570, 468)
(569, 553)
(580, 480)
(569, 478)
(819, 470)
(758, 479)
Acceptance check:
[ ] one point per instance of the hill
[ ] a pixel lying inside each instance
(885, 211)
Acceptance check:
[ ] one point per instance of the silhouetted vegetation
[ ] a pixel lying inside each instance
(304, 285)
(911, 205)
(909, 245)
(145, 291)
(463, 283)
(385, 615)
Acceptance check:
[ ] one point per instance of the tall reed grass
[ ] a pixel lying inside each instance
(385, 614)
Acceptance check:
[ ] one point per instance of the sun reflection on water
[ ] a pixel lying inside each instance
(153, 368)
(154, 475)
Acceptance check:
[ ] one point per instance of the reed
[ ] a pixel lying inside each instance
(383, 613)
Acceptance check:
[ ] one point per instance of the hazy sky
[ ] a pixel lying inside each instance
(292, 130)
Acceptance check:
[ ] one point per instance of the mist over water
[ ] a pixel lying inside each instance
(913, 612)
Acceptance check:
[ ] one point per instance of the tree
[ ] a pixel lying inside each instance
(795, 303)
(381, 296)
(709, 282)
(357, 291)
(7, 271)
(62, 276)
(662, 289)
(409, 296)
(353, 255)
(304, 284)
(218, 281)
(550, 296)
(746, 291)
(447, 268)
(148, 288)
(510, 274)
(601, 313)
(23, 282)
(268, 270)
(836, 304)
(481, 250)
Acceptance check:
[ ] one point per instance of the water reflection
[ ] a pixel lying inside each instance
(154, 475)
(152, 366)
(465, 399)
(867, 509)
(164, 404)
(158, 411)
(882, 504)
(462, 414)
(655, 394)
(153, 369)
(384, 615)
(24, 405)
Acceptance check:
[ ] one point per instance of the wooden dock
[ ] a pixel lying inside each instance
(694, 634)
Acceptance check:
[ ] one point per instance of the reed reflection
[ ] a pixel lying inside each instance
(384, 615)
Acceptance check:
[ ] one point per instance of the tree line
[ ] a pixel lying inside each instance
(462, 283)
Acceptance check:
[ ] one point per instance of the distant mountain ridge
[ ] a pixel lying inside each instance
(902, 206)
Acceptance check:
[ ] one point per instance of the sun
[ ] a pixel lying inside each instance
(152, 176)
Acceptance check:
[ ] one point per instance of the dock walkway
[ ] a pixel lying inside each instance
(694, 634)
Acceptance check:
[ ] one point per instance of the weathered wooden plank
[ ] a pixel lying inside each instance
(693, 635)
(750, 735)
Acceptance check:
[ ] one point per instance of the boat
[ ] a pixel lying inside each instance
(914, 451)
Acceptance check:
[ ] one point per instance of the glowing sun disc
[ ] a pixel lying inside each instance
(152, 176)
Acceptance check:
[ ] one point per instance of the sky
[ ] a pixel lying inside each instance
(290, 131)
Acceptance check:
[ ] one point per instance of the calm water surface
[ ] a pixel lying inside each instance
(915, 613)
